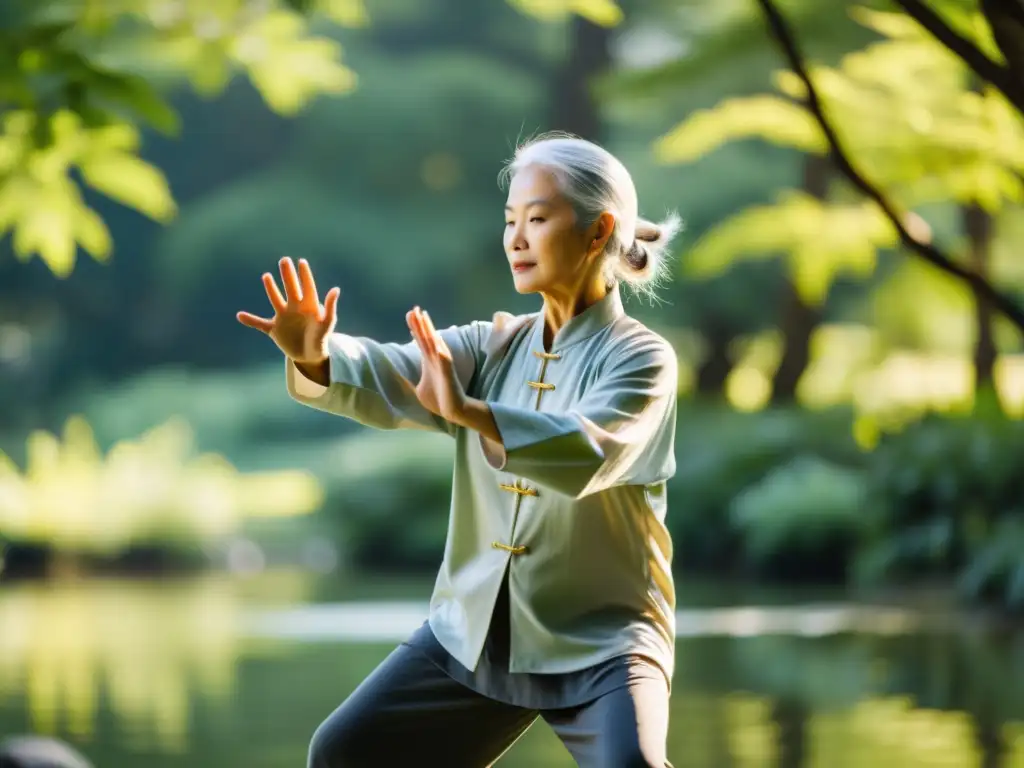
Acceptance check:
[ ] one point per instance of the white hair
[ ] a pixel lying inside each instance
(595, 181)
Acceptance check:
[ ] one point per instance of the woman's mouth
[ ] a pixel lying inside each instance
(522, 266)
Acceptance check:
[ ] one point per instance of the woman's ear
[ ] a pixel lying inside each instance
(603, 228)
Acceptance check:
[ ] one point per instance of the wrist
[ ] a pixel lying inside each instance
(318, 372)
(476, 415)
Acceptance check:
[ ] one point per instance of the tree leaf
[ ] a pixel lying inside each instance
(820, 241)
(605, 13)
(288, 68)
(46, 228)
(727, 48)
(764, 117)
(131, 181)
(895, 26)
(92, 233)
(347, 13)
(210, 69)
(135, 95)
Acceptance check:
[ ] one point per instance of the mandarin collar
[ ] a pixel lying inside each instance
(594, 318)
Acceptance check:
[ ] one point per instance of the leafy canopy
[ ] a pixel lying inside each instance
(904, 107)
(77, 77)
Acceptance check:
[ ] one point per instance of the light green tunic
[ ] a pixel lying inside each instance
(574, 506)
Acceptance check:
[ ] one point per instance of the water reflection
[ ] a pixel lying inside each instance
(199, 670)
(140, 651)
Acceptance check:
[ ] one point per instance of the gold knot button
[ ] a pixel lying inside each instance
(520, 550)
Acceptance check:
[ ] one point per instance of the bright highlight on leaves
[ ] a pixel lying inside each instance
(904, 110)
(72, 495)
(44, 208)
(767, 117)
(287, 67)
(603, 12)
(820, 241)
(347, 13)
(92, 75)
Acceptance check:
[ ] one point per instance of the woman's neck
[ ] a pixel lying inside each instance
(561, 307)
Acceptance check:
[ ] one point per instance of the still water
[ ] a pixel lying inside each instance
(227, 673)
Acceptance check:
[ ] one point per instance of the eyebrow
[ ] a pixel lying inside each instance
(537, 201)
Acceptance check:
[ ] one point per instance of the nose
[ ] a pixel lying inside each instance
(516, 240)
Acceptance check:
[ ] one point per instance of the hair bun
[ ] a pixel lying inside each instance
(648, 232)
(644, 265)
(636, 256)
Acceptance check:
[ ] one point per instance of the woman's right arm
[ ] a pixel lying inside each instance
(373, 382)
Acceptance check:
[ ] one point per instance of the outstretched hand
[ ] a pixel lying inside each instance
(301, 324)
(439, 389)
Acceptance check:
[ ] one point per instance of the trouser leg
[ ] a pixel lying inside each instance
(626, 728)
(408, 712)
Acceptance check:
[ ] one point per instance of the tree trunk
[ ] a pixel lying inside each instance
(573, 107)
(799, 320)
(714, 369)
(978, 228)
(790, 718)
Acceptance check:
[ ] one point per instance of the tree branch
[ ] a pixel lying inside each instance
(1002, 77)
(781, 32)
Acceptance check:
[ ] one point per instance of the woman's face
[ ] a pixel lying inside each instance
(546, 250)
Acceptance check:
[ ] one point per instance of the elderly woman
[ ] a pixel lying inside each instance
(555, 596)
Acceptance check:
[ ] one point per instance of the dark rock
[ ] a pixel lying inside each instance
(39, 752)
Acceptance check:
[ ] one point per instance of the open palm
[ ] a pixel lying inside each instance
(301, 324)
(439, 389)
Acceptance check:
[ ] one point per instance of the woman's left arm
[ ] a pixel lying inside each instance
(622, 432)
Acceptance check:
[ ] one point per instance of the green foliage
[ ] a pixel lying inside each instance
(804, 512)
(387, 494)
(761, 116)
(155, 490)
(43, 206)
(726, 43)
(345, 197)
(604, 12)
(948, 498)
(77, 76)
(786, 494)
(904, 111)
(996, 568)
(227, 410)
(723, 453)
(820, 241)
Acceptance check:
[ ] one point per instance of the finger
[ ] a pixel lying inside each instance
(254, 321)
(413, 319)
(307, 284)
(424, 330)
(330, 314)
(435, 336)
(290, 280)
(276, 299)
(414, 329)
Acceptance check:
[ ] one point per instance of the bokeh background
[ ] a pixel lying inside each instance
(196, 570)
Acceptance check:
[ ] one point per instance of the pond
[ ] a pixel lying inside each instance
(227, 672)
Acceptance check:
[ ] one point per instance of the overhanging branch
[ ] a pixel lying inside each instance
(780, 31)
(1000, 76)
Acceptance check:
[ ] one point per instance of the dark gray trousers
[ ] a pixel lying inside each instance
(409, 712)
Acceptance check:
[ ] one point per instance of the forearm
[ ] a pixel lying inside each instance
(319, 373)
(476, 415)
